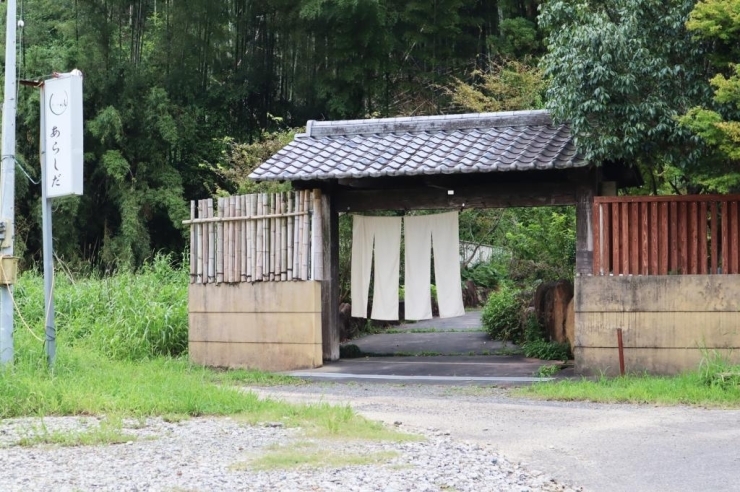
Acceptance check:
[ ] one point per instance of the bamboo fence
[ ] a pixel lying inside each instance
(264, 237)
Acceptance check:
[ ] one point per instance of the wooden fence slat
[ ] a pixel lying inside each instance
(634, 239)
(673, 224)
(703, 258)
(616, 238)
(725, 237)
(693, 238)
(201, 244)
(278, 237)
(654, 230)
(683, 253)
(211, 231)
(663, 238)
(307, 207)
(713, 253)
(625, 239)
(597, 218)
(606, 241)
(644, 239)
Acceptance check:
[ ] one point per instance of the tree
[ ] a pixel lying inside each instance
(621, 72)
(718, 122)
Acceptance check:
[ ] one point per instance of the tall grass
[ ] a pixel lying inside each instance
(121, 351)
(124, 316)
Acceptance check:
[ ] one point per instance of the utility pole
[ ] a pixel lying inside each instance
(7, 184)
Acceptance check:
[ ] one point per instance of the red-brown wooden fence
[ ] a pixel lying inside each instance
(661, 235)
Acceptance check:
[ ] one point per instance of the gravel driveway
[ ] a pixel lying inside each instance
(600, 447)
(477, 439)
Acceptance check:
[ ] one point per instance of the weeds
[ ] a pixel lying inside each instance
(547, 371)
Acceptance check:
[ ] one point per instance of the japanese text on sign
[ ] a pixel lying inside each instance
(62, 133)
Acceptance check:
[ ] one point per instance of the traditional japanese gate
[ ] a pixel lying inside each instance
(491, 160)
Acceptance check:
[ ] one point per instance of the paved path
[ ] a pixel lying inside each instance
(615, 448)
(457, 352)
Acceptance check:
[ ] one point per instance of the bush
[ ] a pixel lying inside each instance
(483, 275)
(501, 315)
(536, 346)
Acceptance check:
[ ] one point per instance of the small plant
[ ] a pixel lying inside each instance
(501, 316)
(350, 351)
(547, 371)
(536, 346)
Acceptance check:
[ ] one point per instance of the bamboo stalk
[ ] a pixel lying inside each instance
(258, 243)
(253, 244)
(204, 241)
(201, 278)
(317, 246)
(278, 236)
(289, 252)
(220, 244)
(297, 238)
(283, 242)
(249, 238)
(236, 212)
(243, 235)
(193, 244)
(227, 242)
(306, 234)
(266, 239)
(273, 233)
(211, 244)
(233, 239)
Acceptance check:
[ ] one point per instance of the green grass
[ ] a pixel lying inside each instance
(110, 431)
(711, 385)
(295, 458)
(121, 346)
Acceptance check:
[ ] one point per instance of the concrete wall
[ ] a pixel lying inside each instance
(274, 326)
(666, 321)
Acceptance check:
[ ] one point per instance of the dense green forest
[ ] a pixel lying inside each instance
(183, 98)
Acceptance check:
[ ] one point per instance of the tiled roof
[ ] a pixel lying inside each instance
(424, 145)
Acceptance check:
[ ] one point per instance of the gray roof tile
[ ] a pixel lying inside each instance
(450, 144)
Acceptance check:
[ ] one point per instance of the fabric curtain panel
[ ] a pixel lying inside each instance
(424, 234)
(383, 236)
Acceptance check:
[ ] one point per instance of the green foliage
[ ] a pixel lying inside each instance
(535, 344)
(484, 275)
(543, 244)
(547, 371)
(513, 85)
(501, 315)
(125, 316)
(621, 72)
(718, 122)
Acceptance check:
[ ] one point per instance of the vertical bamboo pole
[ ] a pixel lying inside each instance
(283, 239)
(227, 241)
(259, 235)
(220, 244)
(273, 233)
(248, 237)
(265, 238)
(253, 244)
(317, 244)
(211, 244)
(278, 236)
(199, 241)
(244, 236)
(291, 220)
(297, 233)
(193, 244)
(206, 244)
(306, 233)
(238, 239)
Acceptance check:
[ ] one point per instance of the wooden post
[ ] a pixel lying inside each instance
(193, 244)
(326, 208)
(317, 229)
(584, 232)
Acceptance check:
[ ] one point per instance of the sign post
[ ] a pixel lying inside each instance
(61, 171)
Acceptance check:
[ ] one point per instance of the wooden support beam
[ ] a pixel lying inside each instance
(584, 231)
(330, 279)
(493, 195)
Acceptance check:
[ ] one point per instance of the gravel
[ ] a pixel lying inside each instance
(216, 454)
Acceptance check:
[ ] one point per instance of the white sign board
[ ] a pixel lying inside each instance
(63, 134)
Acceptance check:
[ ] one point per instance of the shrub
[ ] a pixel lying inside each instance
(501, 315)
(536, 346)
(483, 275)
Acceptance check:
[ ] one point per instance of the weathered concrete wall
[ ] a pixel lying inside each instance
(666, 321)
(274, 326)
